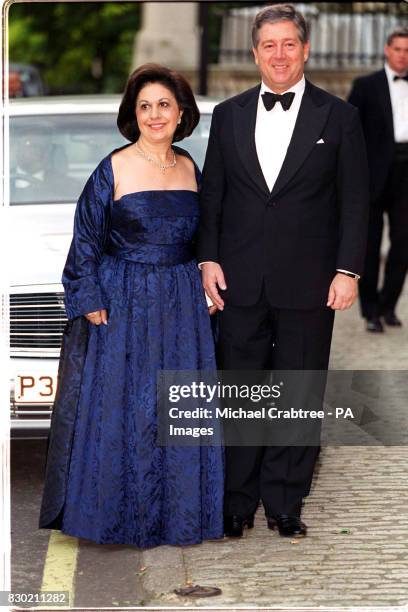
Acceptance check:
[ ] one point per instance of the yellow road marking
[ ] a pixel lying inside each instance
(60, 564)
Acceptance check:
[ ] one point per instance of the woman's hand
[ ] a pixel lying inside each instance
(212, 309)
(97, 317)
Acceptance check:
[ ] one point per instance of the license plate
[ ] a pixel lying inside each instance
(35, 387)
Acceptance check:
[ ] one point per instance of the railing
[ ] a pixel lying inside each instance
(340, 39)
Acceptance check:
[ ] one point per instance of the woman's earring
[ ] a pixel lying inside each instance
(179, 121)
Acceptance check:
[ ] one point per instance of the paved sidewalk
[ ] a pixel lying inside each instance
(356, 553)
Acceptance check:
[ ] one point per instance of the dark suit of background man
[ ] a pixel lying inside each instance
(284, 206)
(382, 98)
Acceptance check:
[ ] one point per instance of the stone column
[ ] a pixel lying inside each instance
(169, 35)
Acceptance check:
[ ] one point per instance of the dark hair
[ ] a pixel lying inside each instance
(175, 82)
(397, 33)
(277, 13)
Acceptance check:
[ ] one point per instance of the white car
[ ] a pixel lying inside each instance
(55, 144)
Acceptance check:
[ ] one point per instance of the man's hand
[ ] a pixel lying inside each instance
(97, 317)
(212, 275)
(212, 309)
(343, 292)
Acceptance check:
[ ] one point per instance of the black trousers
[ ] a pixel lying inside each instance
(261, 337)
(394, 201)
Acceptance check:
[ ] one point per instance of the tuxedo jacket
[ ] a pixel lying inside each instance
(293, 239)
(371, 95)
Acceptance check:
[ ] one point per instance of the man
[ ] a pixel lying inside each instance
(284, 205)
(39, 167)
(382, 98)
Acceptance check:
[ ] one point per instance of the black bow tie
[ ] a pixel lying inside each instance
(402, 78)
(270, 99)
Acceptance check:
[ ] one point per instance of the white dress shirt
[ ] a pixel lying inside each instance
(399, 104)
(273, 131)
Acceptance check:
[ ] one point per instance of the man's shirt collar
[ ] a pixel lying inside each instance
(298, 88)
(391, 73)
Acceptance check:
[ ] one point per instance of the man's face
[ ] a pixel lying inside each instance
(397, 54)
(280, 55)
(32, 152)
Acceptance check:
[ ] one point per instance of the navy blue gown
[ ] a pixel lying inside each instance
(106, 479)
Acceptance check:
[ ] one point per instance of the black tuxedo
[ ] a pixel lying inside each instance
(371, 95)
(312, 222)
(279, 252)
(389, 192)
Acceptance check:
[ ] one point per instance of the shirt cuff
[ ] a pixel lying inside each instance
(204, 262)
(356, 276)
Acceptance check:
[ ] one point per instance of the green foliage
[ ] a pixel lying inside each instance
(80, 47)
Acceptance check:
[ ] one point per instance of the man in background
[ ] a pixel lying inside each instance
(39, 167)
(382, 98)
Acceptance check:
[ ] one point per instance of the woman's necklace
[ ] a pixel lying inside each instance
(148, 157)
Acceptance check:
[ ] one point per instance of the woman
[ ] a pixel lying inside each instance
(135, 306)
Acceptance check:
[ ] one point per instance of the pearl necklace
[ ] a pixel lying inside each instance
(148, 157)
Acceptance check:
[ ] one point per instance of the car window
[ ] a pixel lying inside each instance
(51, 157)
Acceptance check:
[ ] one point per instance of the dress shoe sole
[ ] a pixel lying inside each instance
(374, 325)
(249, 524)
(273, 526)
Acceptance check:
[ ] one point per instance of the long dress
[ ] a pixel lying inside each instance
(106, 478)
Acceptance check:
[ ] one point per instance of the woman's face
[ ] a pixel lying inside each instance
(157, 113)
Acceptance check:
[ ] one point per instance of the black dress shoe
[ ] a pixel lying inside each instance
(288, 526)
(234, 525)
(391, 319)
(374, 325)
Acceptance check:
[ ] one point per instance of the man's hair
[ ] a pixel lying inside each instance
(397, 33)
(276, 13)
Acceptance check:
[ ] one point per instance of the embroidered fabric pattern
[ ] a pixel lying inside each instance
(106, 478)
